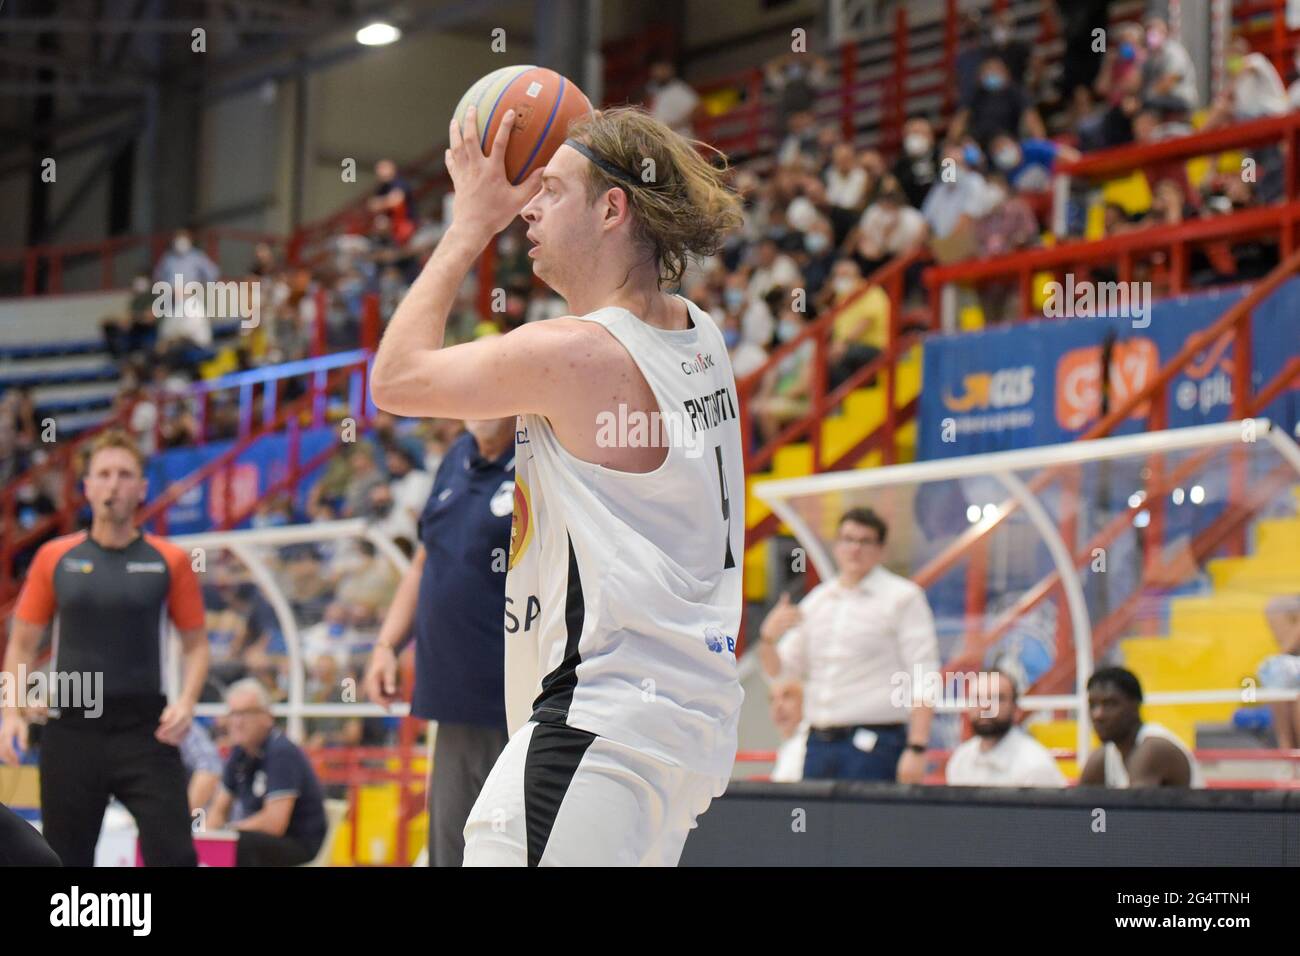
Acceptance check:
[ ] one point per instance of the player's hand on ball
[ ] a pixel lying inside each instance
(485, 200)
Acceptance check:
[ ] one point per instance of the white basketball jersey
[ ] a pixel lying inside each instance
(623, 597)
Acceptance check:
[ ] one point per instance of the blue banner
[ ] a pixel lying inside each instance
(1039, 383)
(255, 470)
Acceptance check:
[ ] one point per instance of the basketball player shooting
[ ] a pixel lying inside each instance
(623, 595)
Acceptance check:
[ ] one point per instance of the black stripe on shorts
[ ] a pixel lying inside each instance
(554, 752)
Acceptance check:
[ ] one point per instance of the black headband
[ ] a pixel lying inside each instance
(603, 163)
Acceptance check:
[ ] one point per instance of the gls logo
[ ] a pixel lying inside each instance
(702, 362)
(714, 640)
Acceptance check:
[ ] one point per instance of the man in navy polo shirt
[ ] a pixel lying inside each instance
(277, 802)
(452, 601)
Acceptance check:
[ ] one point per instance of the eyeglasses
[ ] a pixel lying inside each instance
(864, 542)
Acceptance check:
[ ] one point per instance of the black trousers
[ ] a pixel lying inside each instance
(84, 762)
(262, 849)
(20, 844)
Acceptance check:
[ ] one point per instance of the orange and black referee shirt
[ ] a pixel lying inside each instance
(110, 607)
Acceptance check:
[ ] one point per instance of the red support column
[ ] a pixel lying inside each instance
(892, 134)
(370, 321)
(849, 71)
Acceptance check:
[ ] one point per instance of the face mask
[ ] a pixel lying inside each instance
(734, 298)
(1155, 39)
(1001, 35)
(916, 144)
(140, 285)
(182, 245)
(994, 81)
(508, 246)
(843, 286)
(731, 338)
(1007, 158)
(1127, 52)
(971, 155)
(787, 330)
(794, 70)
(996, 196)
(816, 243)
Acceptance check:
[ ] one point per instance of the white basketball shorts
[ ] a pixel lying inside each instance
(559, 796)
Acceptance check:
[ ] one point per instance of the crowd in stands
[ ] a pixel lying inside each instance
(821, 216)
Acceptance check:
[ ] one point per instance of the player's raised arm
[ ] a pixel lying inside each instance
(413, 375)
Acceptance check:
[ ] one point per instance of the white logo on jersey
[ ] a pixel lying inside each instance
(503, 501)
(145, 567)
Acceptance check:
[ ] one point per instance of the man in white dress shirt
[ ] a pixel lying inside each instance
(851, 641)
(1000, 754)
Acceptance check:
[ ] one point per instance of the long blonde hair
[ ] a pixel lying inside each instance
(680, 203)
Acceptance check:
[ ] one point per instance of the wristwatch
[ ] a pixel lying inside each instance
(916, 748)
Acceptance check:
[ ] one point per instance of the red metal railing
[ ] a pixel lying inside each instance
(289, 418)
(1233, 327)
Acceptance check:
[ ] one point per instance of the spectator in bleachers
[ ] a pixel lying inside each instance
(786, 390)
(917, 167)
(270, 794)
(1293, 91)
(953, 206)
(998, 106)
(818, 254)
(1017, 55)
(1282, 670)
(786, 709)
(746, 356)
(324, 686)
(394, 202)
(799, 148)
(137, 332)
(1080, 62)
(1133, 753)
(861, 328)
(795, 78)
(363, 478)
(185, 260)
(264, 262)
(1168, 74)
(772, 268)
(1009, 225)
(888, 228)
(203, 763)
(846, 190)
(1256, 89)
(1028, 164)
(847, 640)
(970, 54)
(670, 99)
(1000, 754)
(371, 585)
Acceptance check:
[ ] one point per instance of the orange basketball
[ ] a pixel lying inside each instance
(544, 102)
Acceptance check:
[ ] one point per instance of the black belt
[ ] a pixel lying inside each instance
(830, 734)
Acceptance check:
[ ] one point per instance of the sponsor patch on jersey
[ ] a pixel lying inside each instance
(717, 642)
(259, 783)
(145, 567)
(78, 566)
(521, 525)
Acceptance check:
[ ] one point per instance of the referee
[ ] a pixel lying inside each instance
(452, 600)
(108, 592)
